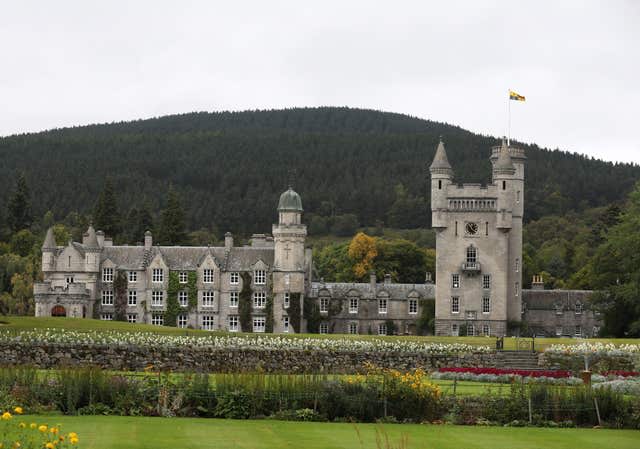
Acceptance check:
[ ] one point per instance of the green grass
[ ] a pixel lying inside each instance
(115, 432)
(79, 324)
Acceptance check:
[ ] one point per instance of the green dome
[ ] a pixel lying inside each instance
(290, 201)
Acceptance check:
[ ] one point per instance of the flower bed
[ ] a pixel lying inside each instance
(602, 357)
(555, 374)
(114, 338)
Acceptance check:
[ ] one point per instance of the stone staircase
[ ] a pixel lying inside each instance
(517, 360)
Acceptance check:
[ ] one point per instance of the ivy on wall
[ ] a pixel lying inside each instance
(294, 312)
(244, 303)
(312, 314)
(426, 322)
(192, 288)
(269, 311)
(120, 295)
(173, 306)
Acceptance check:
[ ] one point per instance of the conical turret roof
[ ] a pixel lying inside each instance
(49, 240)
(504, 164)
(440, 160)
(92, 240)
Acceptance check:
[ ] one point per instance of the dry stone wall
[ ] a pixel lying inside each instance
(210, 359)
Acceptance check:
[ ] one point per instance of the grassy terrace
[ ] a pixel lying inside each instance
(78, 324)
(115, 432)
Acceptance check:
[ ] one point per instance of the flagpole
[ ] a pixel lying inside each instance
(509, 119)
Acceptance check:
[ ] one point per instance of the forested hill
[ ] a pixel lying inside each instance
(230, 167)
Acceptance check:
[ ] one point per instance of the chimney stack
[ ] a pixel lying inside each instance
(537, 283)
(100, 237)
(387, 278)
(228, 240)
(372, 279)
(428, 279)
(148, 240)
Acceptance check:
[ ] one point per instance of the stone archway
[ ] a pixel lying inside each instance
(58, 310)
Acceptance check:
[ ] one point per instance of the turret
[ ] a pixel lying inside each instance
(92, 249)
(441, 177)
(48, 251)
(289, 208)
(289, 234)
(503, 176)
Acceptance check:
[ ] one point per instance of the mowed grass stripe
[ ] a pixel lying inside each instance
(114, 432)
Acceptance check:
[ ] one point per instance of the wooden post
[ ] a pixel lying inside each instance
(595, 401)
(530, 411)
(455, 383)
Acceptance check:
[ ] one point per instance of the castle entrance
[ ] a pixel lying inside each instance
(58, 311)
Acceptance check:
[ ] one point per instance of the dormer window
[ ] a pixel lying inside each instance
(157, 275)
(260, 277)
(107, 275)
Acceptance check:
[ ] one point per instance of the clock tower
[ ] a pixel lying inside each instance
(478, 245)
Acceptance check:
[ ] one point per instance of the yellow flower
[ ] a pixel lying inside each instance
(50, 446)
(16, 445)
(73, 435)
(53, 430)
(18, 410)
(61, 438)
(42, 428)
(73, 440)
(6, 416)
(22, 425)
(33, 425)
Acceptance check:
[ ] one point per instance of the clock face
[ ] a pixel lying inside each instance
(471, 228)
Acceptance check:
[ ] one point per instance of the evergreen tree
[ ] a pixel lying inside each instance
(172, 226)
(19, 207)
(105, 216)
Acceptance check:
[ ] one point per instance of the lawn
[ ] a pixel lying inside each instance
(114, 432)
(79, 324)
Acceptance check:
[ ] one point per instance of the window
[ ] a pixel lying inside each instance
(518, 196)
(382, 329)
(596, 331)
(233, 299)
(157, 319)
(486, 228)
(413, 306)
(107, 275)
(286, 323)
(133, 277)
(578, 332)
(486, 305)
(132, 317)
(578, 308)
(455, 281)
(207, 322)
(287, 300)
(439, 184)
(208, 298)
(455, 305)
(132, 298)
(558, 331)
(382, 305)
(353, 328)
(183, 298)
(455, 330)
(471, 331)
(486, 281)
(324, 328)
(470, 315)
(353, 305)
(472, 254)
(324, 305)
(504, 185)
(157, 275)
(517, 288)
(234, 278)
(182, 321)
(233, 323)
(259, 300)
(207, 276)
(183, 277)
(69, 280)
(157, 298)
(260, 277)
(259, 324)
(486, 330)
(107, 297)
(517, 265)
(106, 316)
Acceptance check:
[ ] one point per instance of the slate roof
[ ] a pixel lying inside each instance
(440, 160)
(547, 299)
(365, 291)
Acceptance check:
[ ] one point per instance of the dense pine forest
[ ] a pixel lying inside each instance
(352, 167)
(191, 177)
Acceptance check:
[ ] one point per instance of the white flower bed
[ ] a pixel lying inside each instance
(115, 338)
(624, 386)
(601, 349)
(507, 378)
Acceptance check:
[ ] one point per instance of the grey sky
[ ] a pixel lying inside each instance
(68, 63)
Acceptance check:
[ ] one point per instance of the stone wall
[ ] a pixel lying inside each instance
(209, 359)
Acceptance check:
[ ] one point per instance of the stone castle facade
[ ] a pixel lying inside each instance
(478, 272)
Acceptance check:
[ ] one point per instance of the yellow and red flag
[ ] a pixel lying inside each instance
(515, 96)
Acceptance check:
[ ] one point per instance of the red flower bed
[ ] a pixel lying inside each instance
(621, 373)
(517, 372)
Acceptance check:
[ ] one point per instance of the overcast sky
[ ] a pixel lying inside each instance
(577, 62)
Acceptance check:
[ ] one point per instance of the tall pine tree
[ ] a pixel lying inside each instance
(19, 206)
(105, 215)
(172, 226)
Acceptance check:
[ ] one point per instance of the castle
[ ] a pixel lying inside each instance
(268, 286)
